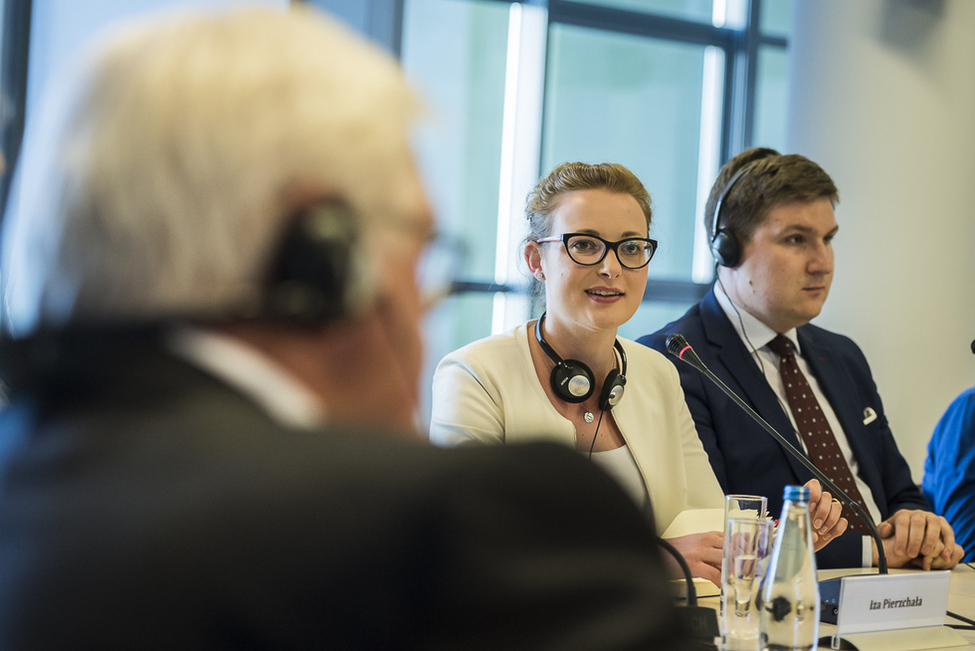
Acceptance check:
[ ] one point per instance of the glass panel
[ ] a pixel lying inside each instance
(635, 101)
(3, 11)
(60, 27)
(771, 96)
(776, 17)
(6, 105)
(455, 322)
(454, 53)
(696, 10)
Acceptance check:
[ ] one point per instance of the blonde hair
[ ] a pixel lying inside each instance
(572, 177)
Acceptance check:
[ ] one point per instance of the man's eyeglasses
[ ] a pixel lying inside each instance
(439, 268)
(589, 250)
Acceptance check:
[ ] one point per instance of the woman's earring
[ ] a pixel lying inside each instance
(541, 276)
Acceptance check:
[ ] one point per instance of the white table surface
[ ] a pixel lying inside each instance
(961, 596)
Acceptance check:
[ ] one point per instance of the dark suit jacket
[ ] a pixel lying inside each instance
(745, 458)
(145, 505)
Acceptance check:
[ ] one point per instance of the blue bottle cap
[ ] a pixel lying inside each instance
(796, 493)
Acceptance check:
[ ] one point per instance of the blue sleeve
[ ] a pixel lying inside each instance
(949, 470)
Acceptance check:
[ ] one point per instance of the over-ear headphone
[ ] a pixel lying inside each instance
(725, 247)
(319, 273)
(573, 380)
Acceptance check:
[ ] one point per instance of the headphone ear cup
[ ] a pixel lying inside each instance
(319, 273)
(572, 381)
(725, 248)
(612, 391)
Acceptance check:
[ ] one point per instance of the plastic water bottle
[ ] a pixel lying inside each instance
(790, 593)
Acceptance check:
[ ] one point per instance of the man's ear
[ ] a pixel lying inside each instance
(533, 258)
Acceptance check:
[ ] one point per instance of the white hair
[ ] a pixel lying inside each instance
(155, 183)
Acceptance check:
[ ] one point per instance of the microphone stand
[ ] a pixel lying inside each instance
(700, 622)
(830, 588)
(678, 347)
(690, 598)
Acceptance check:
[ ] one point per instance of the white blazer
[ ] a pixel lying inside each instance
(488, 392)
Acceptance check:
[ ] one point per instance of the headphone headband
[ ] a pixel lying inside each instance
(721, 197)
(540, 338)
(725, 247)
(573, 381)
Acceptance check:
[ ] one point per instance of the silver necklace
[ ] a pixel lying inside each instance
(588, 417)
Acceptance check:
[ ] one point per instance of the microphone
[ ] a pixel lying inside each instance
(678, 347)
(829, 589)
(973, 346)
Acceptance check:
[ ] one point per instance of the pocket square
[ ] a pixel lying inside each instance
(869, 415)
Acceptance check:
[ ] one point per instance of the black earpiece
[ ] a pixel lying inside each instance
(613, 385)
(573, 380)
(318, 273)
(725, 247)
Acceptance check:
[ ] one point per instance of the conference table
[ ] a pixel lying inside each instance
(961, 597)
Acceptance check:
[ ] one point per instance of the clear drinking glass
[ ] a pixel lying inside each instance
(747, 543)
(755, 506)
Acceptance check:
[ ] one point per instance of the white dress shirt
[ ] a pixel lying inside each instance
(283, 397)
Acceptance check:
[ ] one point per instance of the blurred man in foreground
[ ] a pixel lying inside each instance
(214, 352)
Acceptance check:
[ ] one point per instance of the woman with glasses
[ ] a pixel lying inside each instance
(563, 377)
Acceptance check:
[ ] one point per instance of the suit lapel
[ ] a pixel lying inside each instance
(742, 374)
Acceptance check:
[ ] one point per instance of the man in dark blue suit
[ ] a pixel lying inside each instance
(771, 224)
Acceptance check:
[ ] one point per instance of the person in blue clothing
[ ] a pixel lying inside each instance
(771, 226)
(949, 470)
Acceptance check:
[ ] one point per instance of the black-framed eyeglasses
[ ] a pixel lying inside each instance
(589, 250)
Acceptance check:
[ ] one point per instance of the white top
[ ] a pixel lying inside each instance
(488, 392)
(621, 466)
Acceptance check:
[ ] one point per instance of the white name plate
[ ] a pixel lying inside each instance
(887, 602)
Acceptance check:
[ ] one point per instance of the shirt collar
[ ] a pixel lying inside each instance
(752, 331)
(281, 395)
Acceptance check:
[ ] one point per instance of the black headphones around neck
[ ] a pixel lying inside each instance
(725, 247)
(573, 380)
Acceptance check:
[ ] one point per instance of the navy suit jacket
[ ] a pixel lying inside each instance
(745, 458)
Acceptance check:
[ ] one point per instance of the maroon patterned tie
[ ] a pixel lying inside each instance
(815, 430)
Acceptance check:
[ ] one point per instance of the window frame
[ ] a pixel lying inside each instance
(740, 47)
(13, 85)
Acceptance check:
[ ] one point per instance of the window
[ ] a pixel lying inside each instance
(48, 33)
(654, 106)
(669, 88)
